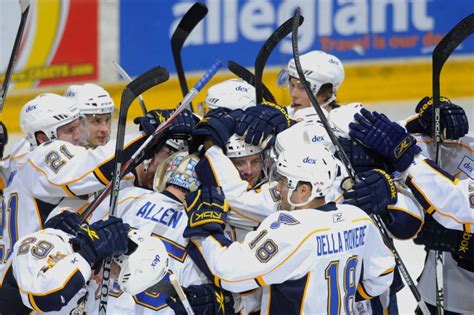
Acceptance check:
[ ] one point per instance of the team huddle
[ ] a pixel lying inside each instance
(246, 204)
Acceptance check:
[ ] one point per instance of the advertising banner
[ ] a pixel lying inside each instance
(353, 30)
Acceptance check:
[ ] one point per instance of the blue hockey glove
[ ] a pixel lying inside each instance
(261, 121)
(183, 126)
(373, 193)
(218, 125)
(207, 212)
(362, 159)
(66, 221)
(385, 137)
(205, 299)
(152, 120)
(454, 121)
(101, 239)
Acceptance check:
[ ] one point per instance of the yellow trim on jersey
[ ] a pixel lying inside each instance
(304, 293)
(260, 281)
(212, 169)
(87, 173)
(76, 269)
(338, 198)
(5, 273)
(243, 215)
(362, 292)
(33, 304)
(446, 142)
(14, 157)
(100, 176)
(269, 300)
(37, 213)
(432, 208)
(467, 228)
(388, 271)
(362, 219)
(283, 261)
(390, 207)
(130, 197)
(456, 180)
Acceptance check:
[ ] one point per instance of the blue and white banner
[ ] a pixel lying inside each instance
(236, 29)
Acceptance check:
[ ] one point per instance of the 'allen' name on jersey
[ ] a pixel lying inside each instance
(333, 243)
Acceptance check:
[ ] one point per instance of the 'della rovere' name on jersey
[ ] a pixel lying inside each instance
(333, 243)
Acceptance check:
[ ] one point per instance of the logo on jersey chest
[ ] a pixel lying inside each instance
(467, 166)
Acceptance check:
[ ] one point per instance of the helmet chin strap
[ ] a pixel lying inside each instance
(329, 101)
(294, 205)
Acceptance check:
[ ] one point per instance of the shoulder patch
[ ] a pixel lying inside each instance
(284, 218)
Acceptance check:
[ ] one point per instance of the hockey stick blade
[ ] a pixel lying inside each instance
(277, 36)
(347, 163)
(249, 77)
(25, 9)
(188, 22)
(132, 162)
(125, 75)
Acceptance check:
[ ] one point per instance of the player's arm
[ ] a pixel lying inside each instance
(60, 169)
(47, 271)
(266, 256)
(378, 267)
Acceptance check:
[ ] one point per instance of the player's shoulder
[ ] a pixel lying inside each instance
(56, 238)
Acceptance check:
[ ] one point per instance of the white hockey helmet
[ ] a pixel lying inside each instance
(319, 68)
(177, 144)
(341, 117)
(237, 147)
(92, 99)
(231, 94)
(304, 132)
(179, 170)
(47, 112)
(308, 163)
(145, 266)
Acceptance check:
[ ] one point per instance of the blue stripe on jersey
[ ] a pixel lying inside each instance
(58, 298)
(287, 297)
(175, 250)
(425, 204)
(199, 260)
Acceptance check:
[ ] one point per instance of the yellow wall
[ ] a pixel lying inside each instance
(363, 83)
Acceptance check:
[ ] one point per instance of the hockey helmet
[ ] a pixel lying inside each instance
(319, 68)
(179, 170)
(145, 266)
(47, 112)
(92, 99)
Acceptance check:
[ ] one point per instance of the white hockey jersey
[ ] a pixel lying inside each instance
(54, 170)
(307, 261)
(163, 216)
(14, 161)
(50, 276)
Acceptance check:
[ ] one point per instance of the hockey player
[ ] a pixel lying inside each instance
(318, 247)
(444, 198)
(50, 268)
(96, 105)
(325, 74)
(161, 213)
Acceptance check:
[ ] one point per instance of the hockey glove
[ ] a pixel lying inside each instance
(385, 137)
(261, 121)
(436, 237)
(373, 193)
(205, 299)
(218, 124)
(101, 239)
(183, 126)
(453, 119)
(207, 212)
(66, 221)
(362, 159)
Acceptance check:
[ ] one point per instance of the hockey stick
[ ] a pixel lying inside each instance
(125, 75)
(137, 156)
(401, 266)
(25, 9)
(277, 36)
(188, 22)
(141, 84)
(441, 54)
(249, 77)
